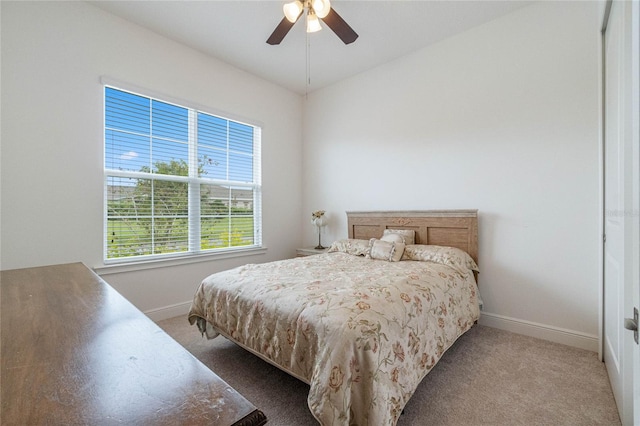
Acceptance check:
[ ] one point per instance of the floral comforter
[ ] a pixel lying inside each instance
(362, 332)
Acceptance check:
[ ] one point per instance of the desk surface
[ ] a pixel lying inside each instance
(74, 351)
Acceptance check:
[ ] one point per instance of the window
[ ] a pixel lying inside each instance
(177, 180)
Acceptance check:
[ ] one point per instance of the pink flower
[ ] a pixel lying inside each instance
(363, 305)
(432, 362)
(414, 342)
(336, 377)
(443, 308)
(394, 375)
(424, 360)
(418, 303)
(355, 370)
(361, 295)
(398, 351)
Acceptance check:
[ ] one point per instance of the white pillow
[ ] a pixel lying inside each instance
(385, 250)
(409, 235)
(350, 246)
(393, 238)
(451, 256)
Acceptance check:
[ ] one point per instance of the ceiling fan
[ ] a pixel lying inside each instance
(315, 9)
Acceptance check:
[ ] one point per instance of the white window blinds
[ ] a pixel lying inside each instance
(177, 180)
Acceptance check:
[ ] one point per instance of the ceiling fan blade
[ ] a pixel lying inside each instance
(281, 30)
(340, 27)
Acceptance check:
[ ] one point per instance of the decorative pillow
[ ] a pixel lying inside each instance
(451, 256)
(409, 235)
(350, 246)
(393, 238)
(385, 250)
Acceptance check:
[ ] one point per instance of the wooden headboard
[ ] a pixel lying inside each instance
(453, 228)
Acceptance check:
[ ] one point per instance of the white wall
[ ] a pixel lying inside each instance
(502, 118)
(53, 55)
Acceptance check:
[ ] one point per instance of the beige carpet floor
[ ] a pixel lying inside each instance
(488, 377)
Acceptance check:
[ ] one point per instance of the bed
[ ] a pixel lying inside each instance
(363, 323)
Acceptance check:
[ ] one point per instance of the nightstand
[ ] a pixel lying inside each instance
(309, 251)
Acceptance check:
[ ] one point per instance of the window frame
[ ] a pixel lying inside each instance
(194, 252)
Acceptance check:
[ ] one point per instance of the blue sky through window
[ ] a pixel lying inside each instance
(140, 132)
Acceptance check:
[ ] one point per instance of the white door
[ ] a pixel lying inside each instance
(622, 192)
(635, 137)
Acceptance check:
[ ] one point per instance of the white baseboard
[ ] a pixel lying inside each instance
(170, 311)
(576, 339)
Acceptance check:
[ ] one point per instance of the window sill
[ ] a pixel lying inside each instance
(140, 265)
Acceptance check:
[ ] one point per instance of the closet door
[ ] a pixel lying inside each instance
(621, 195)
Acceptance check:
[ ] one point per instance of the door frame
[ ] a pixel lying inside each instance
(602, 213)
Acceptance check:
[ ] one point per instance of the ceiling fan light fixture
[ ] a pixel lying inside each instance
(314, 10)
(292, 10)
(321, 7)
(313, 23)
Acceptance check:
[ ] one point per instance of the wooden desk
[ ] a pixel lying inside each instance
(74, 351)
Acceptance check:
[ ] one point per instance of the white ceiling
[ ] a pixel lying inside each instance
(235, 31)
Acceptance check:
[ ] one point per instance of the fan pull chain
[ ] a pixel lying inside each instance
(308, 65)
